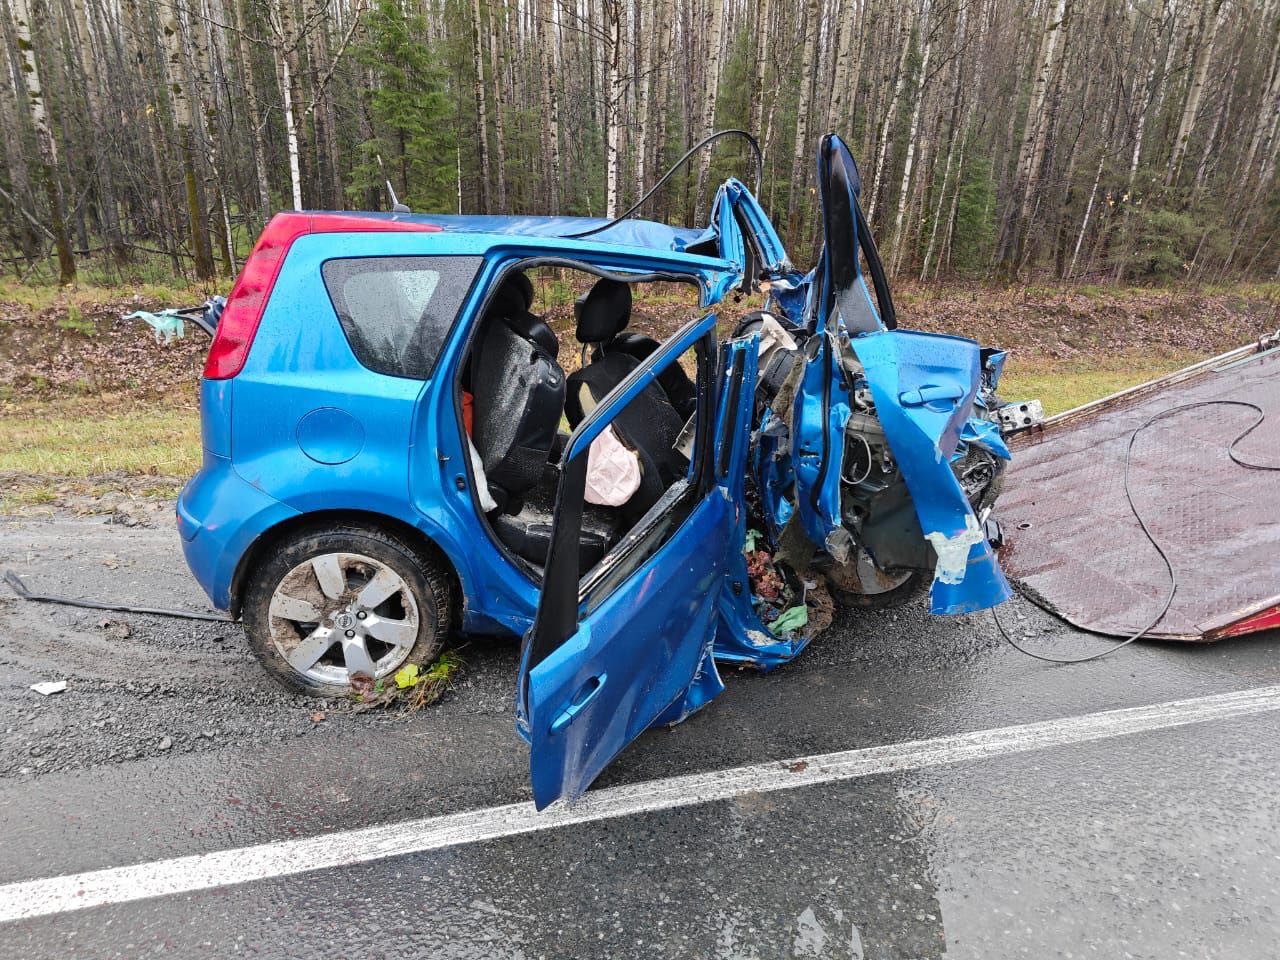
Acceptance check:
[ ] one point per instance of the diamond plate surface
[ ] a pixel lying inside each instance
(1071, 539)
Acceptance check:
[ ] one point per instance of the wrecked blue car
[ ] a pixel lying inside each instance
(393, 451)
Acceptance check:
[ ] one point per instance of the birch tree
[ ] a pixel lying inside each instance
(47, 146)
(1081, 138)
(714, 40)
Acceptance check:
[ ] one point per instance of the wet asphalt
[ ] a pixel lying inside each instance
(170, 741)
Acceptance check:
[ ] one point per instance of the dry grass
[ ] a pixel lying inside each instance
(79, 449)
(1061, 385)
(90, 404)
(77, 438)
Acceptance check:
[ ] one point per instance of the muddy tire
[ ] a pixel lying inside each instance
(859, 585)
(328, 604)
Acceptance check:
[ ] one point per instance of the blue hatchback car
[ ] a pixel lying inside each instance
(386, 459)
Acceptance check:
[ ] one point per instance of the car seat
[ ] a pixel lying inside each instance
(650, 424)
(519, 391)
(673, 380)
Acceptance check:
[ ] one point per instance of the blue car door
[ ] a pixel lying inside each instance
(923, 386)
(626, 645)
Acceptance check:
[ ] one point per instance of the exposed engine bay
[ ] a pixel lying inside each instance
(881, 555)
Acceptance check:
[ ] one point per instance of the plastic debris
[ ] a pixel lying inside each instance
(166, 325)
(793, 618)
(49, 687)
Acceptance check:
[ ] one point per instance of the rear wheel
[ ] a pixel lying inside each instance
(331, 604)
(860, 583)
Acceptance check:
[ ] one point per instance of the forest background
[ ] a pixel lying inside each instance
(1090, 182)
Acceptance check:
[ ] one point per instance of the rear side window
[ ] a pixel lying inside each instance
(397, 311)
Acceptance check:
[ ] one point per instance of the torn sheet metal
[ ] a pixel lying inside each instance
(821, 412)
(924, 386)
(1073, 543)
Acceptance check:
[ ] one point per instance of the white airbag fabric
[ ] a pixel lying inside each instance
(487, 503)
(613, 471)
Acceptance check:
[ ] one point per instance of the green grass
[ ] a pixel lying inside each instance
(75, 320)
(70, 439)
(1061, 386)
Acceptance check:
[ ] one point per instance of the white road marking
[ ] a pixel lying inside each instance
(35, 898)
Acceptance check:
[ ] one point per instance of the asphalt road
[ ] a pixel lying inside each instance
(169, 742)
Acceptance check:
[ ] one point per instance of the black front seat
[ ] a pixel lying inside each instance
(674, 381)
(650, 424)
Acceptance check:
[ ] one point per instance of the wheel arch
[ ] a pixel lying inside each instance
(327, 519)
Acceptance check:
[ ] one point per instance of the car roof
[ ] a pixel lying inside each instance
(647, 234)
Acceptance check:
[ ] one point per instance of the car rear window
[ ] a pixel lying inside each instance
(397, 311)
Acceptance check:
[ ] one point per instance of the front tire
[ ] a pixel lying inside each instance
(858, 583)
(329, 604)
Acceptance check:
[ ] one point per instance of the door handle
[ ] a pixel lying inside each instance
(930, 393)
(586, 693)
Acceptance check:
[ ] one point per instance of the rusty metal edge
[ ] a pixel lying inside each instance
(1034, 597)
(1142, 390)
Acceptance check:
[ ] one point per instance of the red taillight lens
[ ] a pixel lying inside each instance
(243, 312)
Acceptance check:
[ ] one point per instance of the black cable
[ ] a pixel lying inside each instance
(21, 590)
(1133, 508)
(705, 141)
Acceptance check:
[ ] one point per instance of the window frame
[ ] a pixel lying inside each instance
(567, 596)
(490, 279)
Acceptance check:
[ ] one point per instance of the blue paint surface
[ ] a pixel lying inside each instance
(330, 435)
(924, 385)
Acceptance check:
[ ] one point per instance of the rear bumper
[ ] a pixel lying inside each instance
(219, 516)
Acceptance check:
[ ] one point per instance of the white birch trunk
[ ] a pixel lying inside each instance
(482, 108)
(499, 134)
(913, 135)
(1191, 106)
(614, 92)
(49, 164)
(802, 147)
(709, 98)
(644, 41)
(1036, 127)
(886, 126)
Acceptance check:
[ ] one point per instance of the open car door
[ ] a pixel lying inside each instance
(923, 386)
(629, 644)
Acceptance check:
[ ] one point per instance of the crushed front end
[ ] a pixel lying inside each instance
(876, 456)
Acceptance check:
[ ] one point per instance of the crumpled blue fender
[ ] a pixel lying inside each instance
(985, 434)
(924, 386)
(980, 430)
(818, 421)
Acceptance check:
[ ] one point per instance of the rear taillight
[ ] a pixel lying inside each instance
(243, 312)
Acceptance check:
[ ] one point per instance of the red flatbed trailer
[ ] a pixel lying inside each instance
(1073, 544)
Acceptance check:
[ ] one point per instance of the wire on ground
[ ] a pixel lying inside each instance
(1133, 508)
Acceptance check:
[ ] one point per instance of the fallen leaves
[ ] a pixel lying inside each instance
(411, 685)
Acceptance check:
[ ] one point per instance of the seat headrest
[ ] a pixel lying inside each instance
(513, 298)
(603, 311)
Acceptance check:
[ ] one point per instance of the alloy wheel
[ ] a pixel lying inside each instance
(341, 614)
